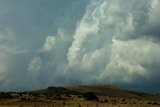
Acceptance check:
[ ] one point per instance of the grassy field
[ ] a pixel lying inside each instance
(75, 103)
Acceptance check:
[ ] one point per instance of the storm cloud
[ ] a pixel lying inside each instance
(58, 42)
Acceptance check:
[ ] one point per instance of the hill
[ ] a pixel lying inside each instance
(99, 90)
(97, 94)
(107, 90)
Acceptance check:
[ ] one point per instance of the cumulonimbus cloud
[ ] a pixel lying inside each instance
(114, 42)
(132, 56)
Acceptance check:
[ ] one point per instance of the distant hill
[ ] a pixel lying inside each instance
(107, 90)
(99, 90)
(55, 90)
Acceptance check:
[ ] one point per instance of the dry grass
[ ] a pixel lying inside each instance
(76, 103)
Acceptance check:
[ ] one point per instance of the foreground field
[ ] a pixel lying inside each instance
(78, 104)
(71, 104)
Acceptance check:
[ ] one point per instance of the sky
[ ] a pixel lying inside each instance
(75, 42)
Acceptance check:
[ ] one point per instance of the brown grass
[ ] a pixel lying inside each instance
(77, 103)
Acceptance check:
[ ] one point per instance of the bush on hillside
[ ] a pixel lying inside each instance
(90, 96)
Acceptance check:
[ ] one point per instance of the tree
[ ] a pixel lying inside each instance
(90, 96)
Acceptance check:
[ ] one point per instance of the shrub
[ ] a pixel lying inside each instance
(106, 101)
(51, 87)
(90, 96)
(34, 94)
(79, 96)
(6, 95)
(155, 103)
(123, 99)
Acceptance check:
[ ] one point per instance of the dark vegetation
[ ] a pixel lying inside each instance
(6, 95)
(55, 90)
(90, 96)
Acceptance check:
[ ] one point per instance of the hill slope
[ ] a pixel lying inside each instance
(99, 90)
(107, 90)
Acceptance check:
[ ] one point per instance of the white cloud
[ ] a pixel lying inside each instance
(88, 35)
(133, 50)
(48, 45)
(127, 60)
(35, 64)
